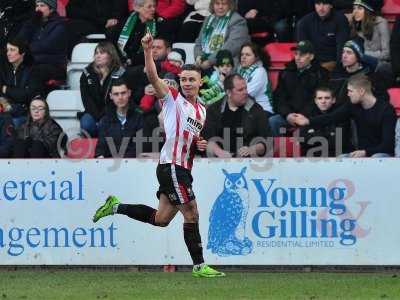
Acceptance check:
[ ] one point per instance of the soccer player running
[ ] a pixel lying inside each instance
(184, 119)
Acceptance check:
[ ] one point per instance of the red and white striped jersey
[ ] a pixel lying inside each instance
(183, 122)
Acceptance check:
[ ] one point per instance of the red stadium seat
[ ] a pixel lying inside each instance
(280, 54)
(130, 5)
(260, 35)
(391, 9)
(61, 4)
(286, 147)
(273, 76)
(394, 94)
(81, 148)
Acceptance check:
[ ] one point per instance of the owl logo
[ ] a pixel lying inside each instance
(227, 229)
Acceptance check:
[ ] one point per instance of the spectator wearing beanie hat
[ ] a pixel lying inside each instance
(174, 62)
(327, 29)
(215, 83)
(45, 34)
(52, 4)
(355, 62)
(373, 29)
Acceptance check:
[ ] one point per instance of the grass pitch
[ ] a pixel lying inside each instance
(71, 285)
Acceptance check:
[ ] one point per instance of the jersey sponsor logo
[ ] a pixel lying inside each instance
(193, 126)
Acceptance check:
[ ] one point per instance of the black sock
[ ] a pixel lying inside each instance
(192, 237)
(140, 212)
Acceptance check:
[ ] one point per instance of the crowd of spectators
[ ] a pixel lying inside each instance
(345, 59)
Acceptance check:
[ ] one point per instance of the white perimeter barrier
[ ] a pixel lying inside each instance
(252, 212)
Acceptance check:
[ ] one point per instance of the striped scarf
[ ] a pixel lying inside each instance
(214, 32)
(129, 26)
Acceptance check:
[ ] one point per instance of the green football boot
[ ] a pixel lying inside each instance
(106, 209)
(206, 271)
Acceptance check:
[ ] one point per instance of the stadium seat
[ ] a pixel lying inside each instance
(81, 148)
(189, 50)
(286, 147)
(280, 54)
(273, 76)
(394, 94)
(391, 9)
(64, 106)
(130, 5)
(82, 55)
(96, 36)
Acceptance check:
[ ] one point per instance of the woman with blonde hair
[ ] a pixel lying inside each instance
(95, 85)
(223, 29)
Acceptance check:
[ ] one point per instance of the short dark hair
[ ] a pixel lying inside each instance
(324, 88)
(21, 43)
(191, 67)
(228, 82)
(166, 42)
(118, 82)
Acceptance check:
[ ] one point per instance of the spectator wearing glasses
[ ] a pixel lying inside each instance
(40, 136)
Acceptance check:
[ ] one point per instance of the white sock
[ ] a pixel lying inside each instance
(115, 208)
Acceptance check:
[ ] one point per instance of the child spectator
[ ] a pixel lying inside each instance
(215, 83)
(174, 62)
(324, 103)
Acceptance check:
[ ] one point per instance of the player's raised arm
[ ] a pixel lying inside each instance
(160, 87)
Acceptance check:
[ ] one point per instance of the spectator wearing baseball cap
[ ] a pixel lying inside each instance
(327, 29)
(296, 85)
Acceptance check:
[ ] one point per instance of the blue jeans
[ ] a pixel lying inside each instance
(276, 122)
(88, 124)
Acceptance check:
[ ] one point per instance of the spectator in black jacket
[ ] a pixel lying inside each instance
(327, 29)
(374, 118)
(45, 33)
(40, 136)
(16, 81)
(95, 85)
(395, 50)
(93, 16)
(265, 16)
(325, 141)
(238, 120)
(120, 125)
(354, 62)
(6, 129)
(296, 85)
